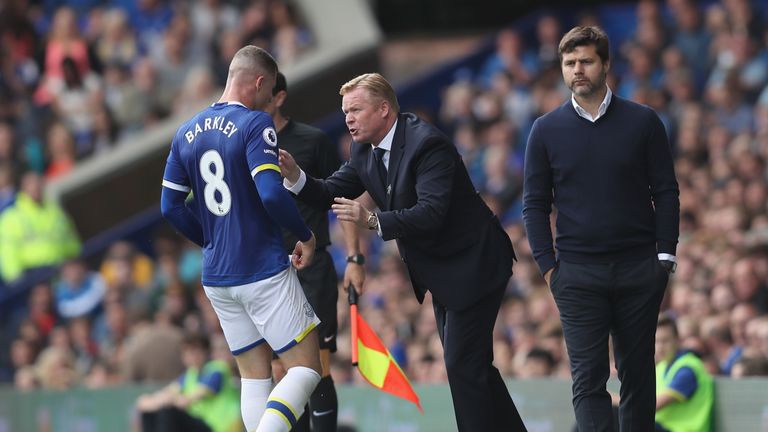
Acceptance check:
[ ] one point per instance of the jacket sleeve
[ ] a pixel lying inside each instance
(70, 247)
(10, 242)
(435, 167)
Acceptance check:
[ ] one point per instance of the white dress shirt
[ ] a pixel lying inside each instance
(600, 110)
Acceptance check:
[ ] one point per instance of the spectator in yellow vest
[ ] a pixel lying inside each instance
(34, 232)
(203, 399)
(684, 388)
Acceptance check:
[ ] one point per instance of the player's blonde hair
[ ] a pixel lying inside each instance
(377, 86)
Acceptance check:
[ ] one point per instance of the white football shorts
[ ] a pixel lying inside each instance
(274, 310)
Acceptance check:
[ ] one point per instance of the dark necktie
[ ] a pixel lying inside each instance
(378, 154)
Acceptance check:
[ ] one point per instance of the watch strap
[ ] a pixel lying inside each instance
(356, 259)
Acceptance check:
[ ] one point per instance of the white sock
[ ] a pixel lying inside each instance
(253, 400)
(287, 400)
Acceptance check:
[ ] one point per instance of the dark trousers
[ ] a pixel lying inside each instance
(171, 419)
(622, 299)
(481, 400)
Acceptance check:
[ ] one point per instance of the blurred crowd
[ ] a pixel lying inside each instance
(78, 77)
(703, 66)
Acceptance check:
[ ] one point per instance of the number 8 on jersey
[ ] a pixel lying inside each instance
(214, 182)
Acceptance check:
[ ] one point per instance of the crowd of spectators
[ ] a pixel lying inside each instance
(77, 78)
(702, 67)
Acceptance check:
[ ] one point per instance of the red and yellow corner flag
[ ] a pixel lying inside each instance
(373, 359)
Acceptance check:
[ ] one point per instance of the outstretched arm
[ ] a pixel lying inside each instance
(159, 399)
(289, 169)
(354, 273)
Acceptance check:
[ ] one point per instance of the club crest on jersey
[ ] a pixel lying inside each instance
(308, 311)
(270, 136)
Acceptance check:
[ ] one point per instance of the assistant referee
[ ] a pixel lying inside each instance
(314, 151)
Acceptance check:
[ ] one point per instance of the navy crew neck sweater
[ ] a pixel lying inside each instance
(612, 182)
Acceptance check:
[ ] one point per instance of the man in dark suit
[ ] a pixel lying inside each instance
(450, 241)
(606, 164)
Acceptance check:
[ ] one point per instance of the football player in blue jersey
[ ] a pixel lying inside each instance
(227, 156)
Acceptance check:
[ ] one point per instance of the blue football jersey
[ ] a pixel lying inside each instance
(215, 155)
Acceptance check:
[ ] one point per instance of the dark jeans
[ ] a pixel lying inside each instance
(171, 419)
(621, 299)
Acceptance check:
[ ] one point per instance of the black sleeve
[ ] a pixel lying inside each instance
(537, 200)
(327, 156)
(664, 189)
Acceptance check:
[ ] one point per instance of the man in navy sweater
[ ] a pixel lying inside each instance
(606, 165)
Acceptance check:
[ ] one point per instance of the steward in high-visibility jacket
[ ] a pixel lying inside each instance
(220, 408)
(34, 232)
(203, 399)
(684, 389)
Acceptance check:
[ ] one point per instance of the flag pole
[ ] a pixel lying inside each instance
(378, 366)
(352, 297)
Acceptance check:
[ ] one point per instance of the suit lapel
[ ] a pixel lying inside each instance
(395, 156)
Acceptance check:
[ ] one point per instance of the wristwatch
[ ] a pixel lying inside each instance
(669, 266)
(373, 221)
(356, 259)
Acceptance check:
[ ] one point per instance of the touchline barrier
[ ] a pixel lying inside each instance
(545, 404)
